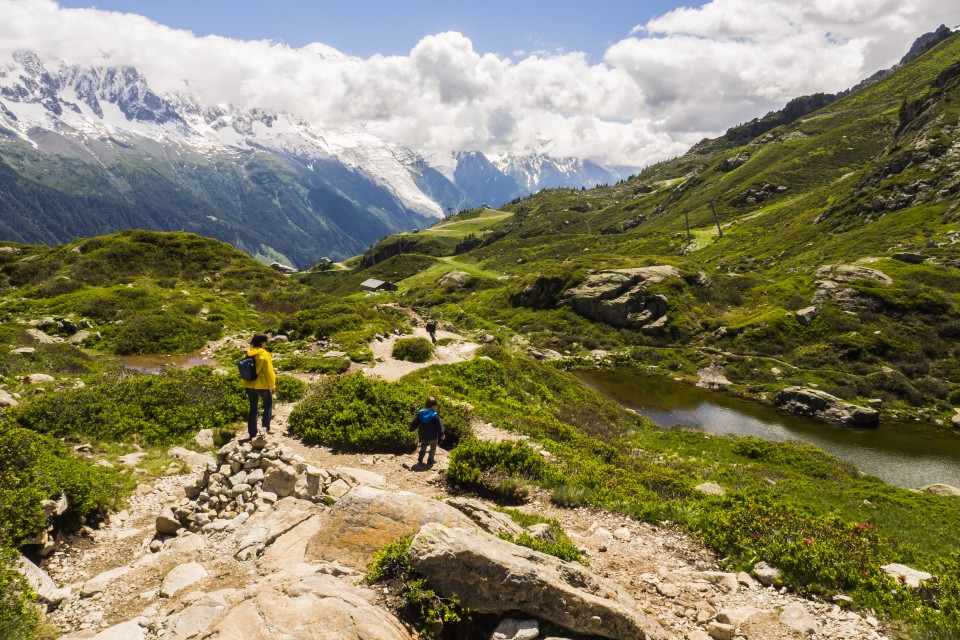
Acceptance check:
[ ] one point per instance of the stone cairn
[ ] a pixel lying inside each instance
(246, 477)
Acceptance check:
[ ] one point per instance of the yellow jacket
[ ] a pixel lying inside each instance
(266, 378)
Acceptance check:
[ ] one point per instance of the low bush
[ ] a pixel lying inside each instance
(36, 467)
(357, 414)
(417, 603)
(310, 364)
(412, 349)
(136, 407)
(159, 333)
(290, 389)
(19, 616)
(498, 469)
(559, 545)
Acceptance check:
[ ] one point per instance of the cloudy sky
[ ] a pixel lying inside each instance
(620, 82)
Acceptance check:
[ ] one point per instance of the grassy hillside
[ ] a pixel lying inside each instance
(861, 181)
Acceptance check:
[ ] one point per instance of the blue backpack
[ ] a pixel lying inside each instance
(247, 366)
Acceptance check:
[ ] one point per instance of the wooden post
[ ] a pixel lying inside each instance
(715, 218)
(686, 217)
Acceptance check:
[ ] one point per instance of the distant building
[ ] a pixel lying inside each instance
(283, 268)
(377, 285)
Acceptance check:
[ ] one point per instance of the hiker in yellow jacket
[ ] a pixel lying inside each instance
(263, 387)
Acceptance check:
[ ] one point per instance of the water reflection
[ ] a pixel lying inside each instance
(155, 363)
(901, 453)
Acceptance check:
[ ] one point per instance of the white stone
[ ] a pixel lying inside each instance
(129, 630)
(181, 577)
(98, 583)
(513, 629)
(798, 618)
(911, 577)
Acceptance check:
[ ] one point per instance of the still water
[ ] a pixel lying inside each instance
(153, 364)
(907, 454)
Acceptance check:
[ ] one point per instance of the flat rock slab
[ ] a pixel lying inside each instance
(367, 519)
(361, 477)
(41, 583)
(196, 618)
(490, 575)
(266, 525)
(489, 520)
(129, 630)
(314, 604)
(99, 583)
(907, 575)
(181, 577)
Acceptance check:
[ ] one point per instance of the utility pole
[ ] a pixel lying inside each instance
(715, 218)
(686, 217)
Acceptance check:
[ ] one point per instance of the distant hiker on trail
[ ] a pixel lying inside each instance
(429, 429)
(432, 330)
(262, 387)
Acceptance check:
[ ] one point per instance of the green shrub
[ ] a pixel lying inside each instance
(560, 546)
(160, 333)
(136, 407)
(19, 616)
(418, 603)
(290, 389)
(357, 414)
(498, 469)
(412, 349)
(36, 467)
(570, 496)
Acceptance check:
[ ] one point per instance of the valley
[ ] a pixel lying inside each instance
(800, 269)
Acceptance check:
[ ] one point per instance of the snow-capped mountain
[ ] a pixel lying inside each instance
(534, 171)
(85, 151)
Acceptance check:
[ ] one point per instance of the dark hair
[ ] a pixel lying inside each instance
(430, 403)
(259, 340)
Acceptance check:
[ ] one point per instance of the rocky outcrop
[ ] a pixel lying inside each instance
(942, 490)
(830, 288)
(812, 402)
(490, 575)
(489, 520)
(367, 519)
(757, 193)
(620, 297)
(314, 603)
(732, 162)
(455, 278)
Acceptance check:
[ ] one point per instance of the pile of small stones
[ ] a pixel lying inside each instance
(245, 477)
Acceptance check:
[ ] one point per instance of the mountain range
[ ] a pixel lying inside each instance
(86, 151)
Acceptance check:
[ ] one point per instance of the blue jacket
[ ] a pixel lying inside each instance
(428, 425)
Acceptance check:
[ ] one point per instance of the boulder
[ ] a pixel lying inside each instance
(196, 618)
(204, 438)
(129, 630)
(181, 577)
(721, 631)
(732, 162)
(281, 481)
(796, 617)
(40, 336)
(167, 523)
(710, 489)
(7, 400)
(356, 477)
(806, 315)
(192, 458)
(941, 490)
(513, 629)
(813, 402)
(367, 519)
(79, 337)
(99, 582)
(490, 575)
(850, 273)
(766, 574)
(40, 378)
(315, 604)
(489, 520)
(456, 278)
(619, 296)
(906, 575)
(909, 258)
(736, 616)
(726, 581)
(41, 583)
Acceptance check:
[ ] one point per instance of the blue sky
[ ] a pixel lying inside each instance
(392, 27)
(566, 78)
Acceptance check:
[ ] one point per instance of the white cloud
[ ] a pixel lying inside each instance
(686, 74)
